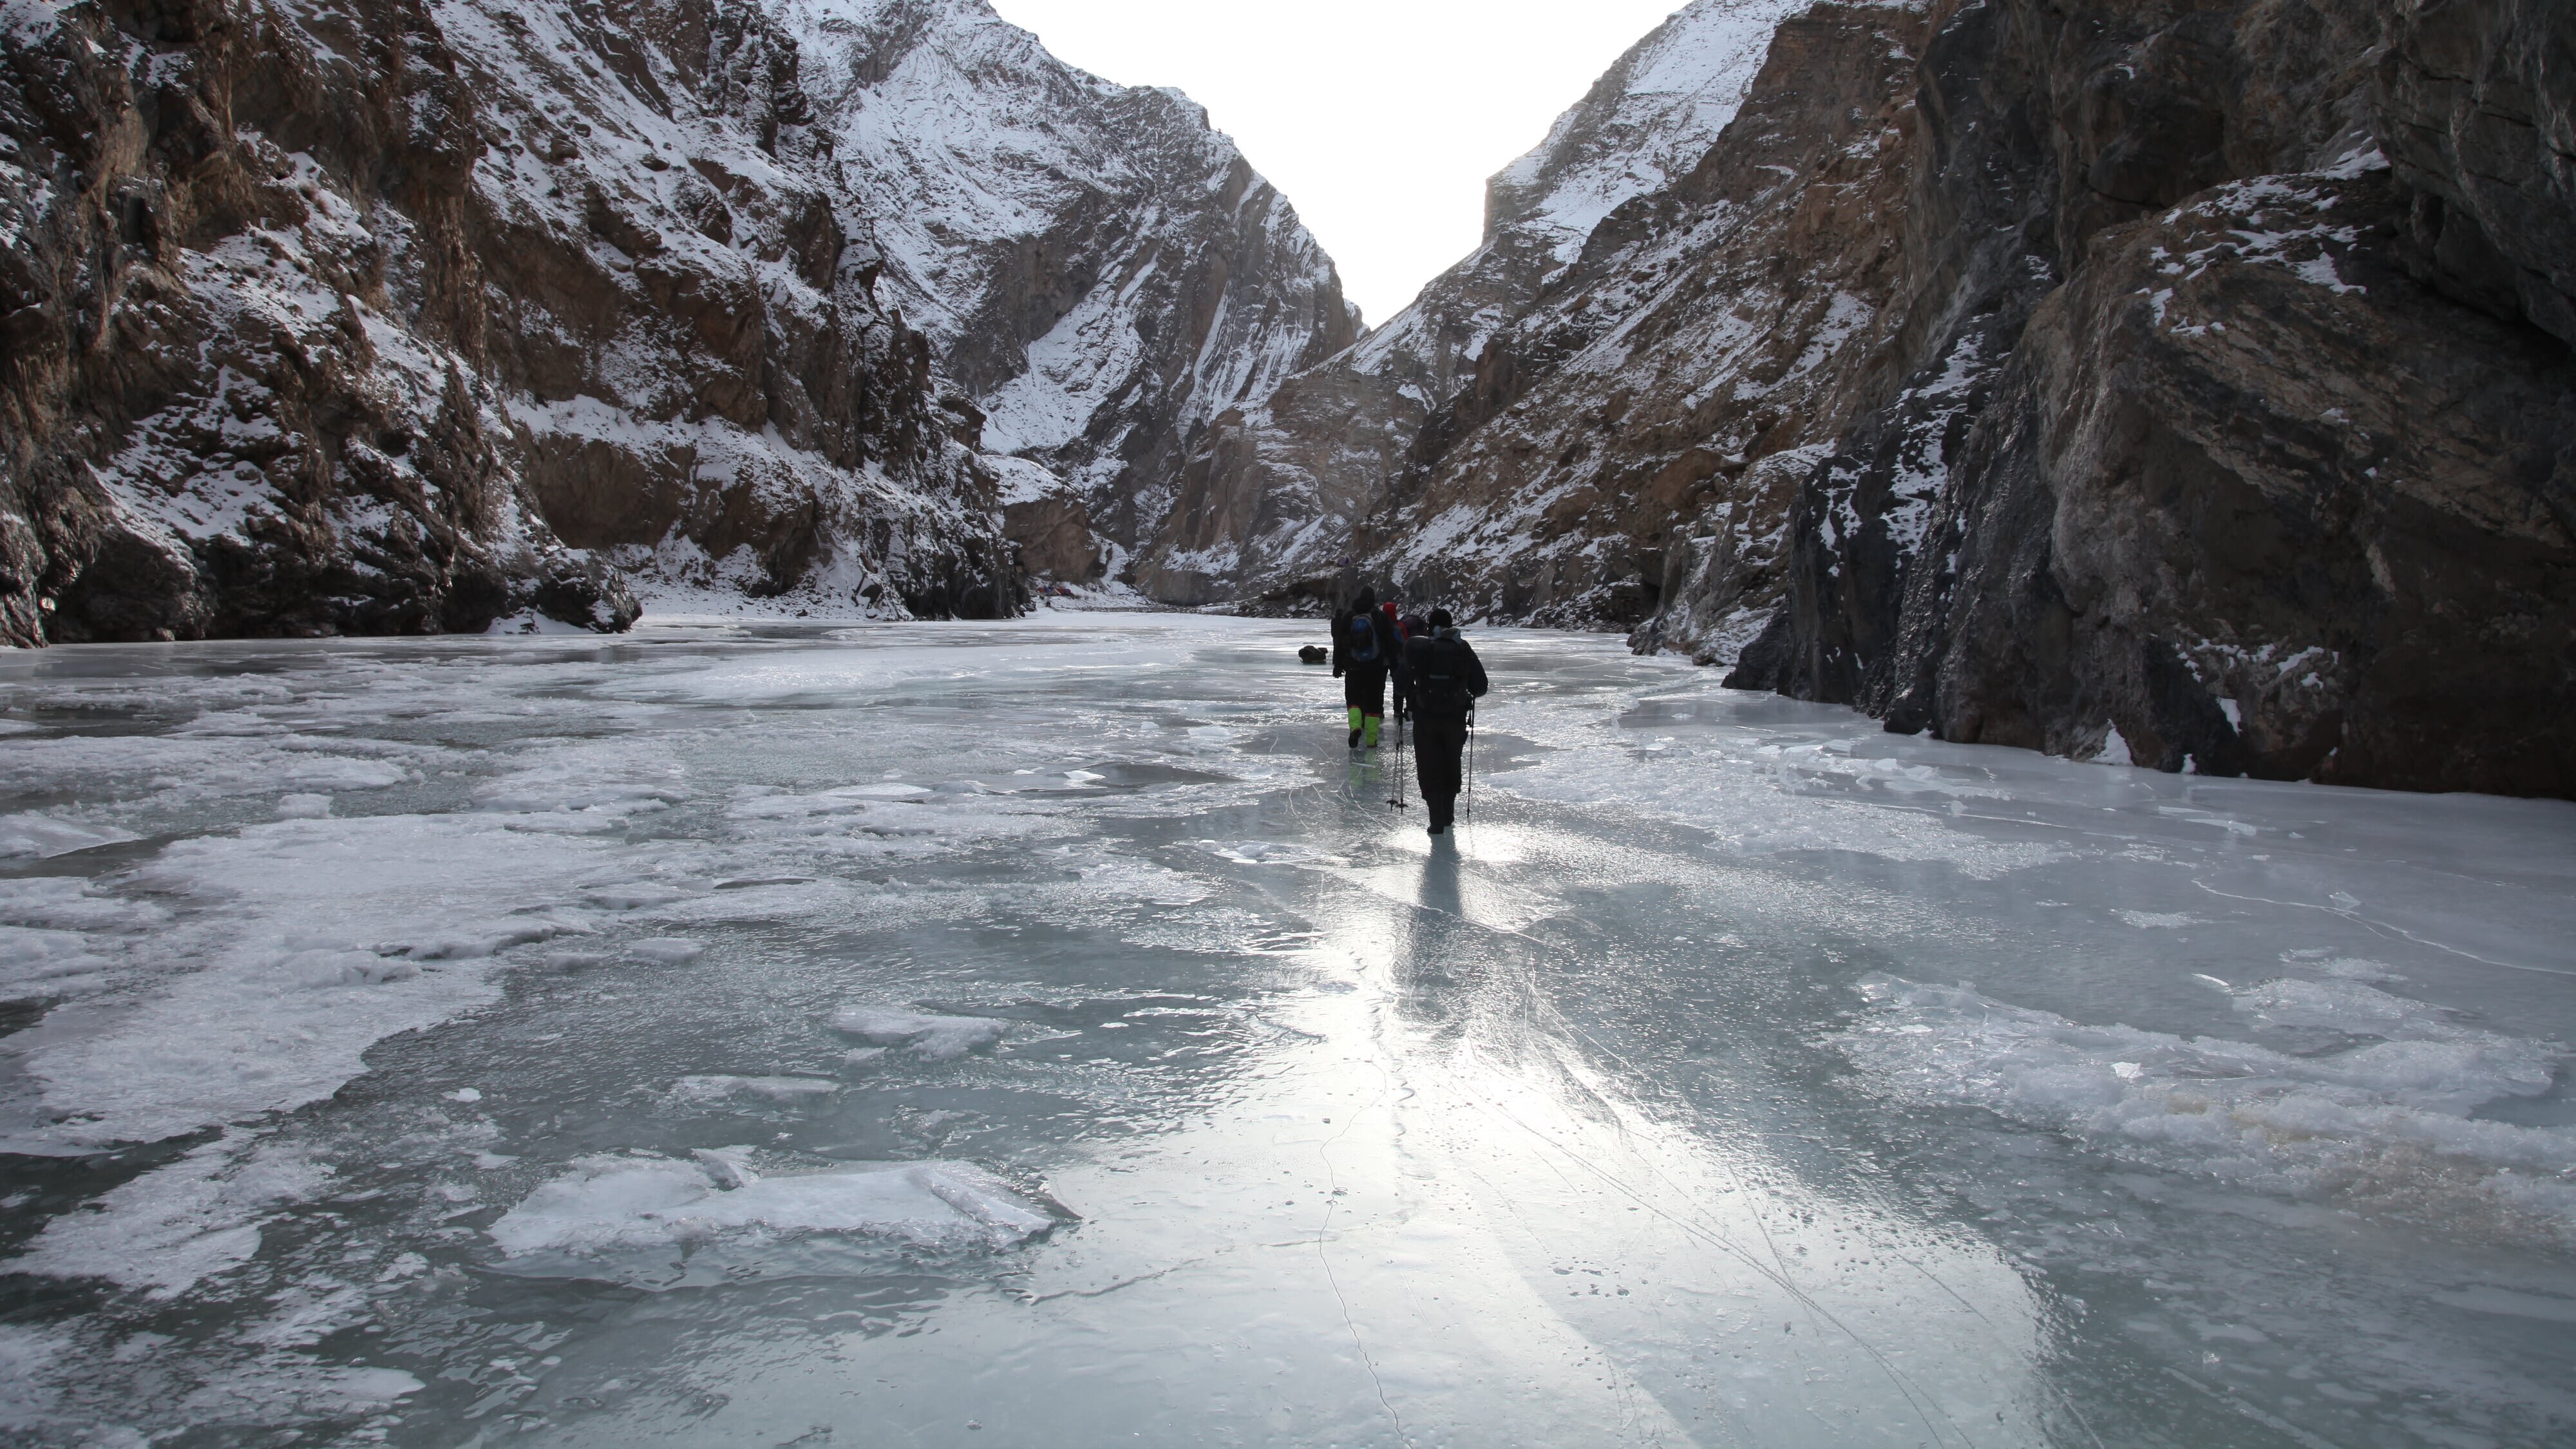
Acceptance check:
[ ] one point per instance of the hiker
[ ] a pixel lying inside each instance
(1364, 650)
(1443, 679)
(1395, 661)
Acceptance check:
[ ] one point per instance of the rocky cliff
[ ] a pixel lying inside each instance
(402, 317)
(2177, 381)
(2272, 466)
(1352, 464)
(1098, 269)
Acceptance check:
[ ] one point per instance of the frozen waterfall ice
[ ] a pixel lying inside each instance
(1044, 1033)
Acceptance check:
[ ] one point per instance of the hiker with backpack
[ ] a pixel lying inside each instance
(1365, 651)
(1442, 681)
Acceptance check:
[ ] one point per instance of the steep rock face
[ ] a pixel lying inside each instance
(1102, 272)
(2281, 516)
(1651, 420)
(2477, 109)
(2244, 494)
(1283, 501)
(395, 317)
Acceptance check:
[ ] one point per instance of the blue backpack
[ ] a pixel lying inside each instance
(1363, 647)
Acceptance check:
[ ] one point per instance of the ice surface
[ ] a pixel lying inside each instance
(2389, 1119)
(172, 1227)
(307, 942)
(899, 1002)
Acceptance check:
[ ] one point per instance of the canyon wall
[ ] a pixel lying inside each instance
(2268, 464)
(2184, 382)
(397, 317)
(1099, 271)
(404, 317)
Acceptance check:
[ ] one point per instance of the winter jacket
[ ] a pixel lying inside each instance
(1442, 677)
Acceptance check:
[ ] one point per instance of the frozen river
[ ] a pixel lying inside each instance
(1043, 1034)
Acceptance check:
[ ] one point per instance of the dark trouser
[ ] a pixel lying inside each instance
(1364, 688)
(1438, 746)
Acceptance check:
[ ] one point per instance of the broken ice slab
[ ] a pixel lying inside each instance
(940, 1038)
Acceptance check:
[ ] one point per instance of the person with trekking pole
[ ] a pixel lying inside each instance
(1364, 651)
(1442, 681)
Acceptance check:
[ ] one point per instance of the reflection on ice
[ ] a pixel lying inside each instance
(1047, 1033)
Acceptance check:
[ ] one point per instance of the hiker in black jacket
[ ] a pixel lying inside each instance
(1442, 681)
(1364, 651)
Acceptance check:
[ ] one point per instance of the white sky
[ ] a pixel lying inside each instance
(1380, 119)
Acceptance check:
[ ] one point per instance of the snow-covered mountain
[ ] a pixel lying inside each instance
(403, 315)
(1099, 269)
(1278, 494)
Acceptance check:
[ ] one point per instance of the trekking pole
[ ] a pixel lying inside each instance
(1397, 799)
(1471, 764)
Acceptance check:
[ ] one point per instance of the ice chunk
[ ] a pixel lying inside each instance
(1269, 852)
(2115, 750)
(2341, 1005)
(374, 1385)
(634, 897)
(303, 807)
(44, 963)
(727, 1167)
(346, 968)
(940, 1038)
(586, 786)
(669, 950)
(894, 819)
(1122, 879)
(71, 904)
(44, 834)
(776, 1089)
(610, 1203)
(529, 621)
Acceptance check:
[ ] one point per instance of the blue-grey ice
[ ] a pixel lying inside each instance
(1046, 1033)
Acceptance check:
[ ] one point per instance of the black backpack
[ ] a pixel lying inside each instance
(1363, 646)
(1440, 682)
